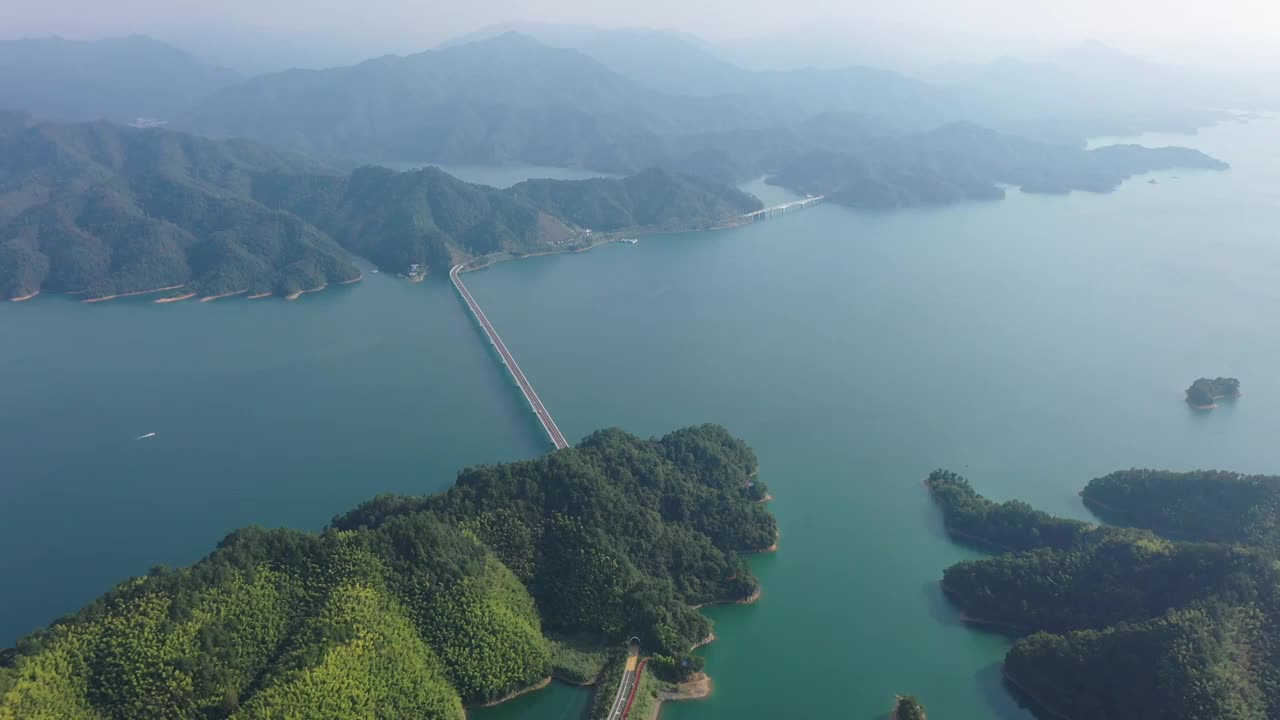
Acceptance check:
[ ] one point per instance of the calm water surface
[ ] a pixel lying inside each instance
(1031, 344)
(271, 412)
(502, 176)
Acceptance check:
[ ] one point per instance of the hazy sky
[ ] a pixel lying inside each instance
(1239, 29)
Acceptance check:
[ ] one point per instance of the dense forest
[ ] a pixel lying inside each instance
(654, 199)
(99, 210)
(908, 708)
(1012, 525)
(431, 218)
(1199, 506)
(415, 607)
(1176, 616)
(1205, 393)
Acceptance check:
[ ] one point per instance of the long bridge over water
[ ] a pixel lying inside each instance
(526, 388)
(783, 208)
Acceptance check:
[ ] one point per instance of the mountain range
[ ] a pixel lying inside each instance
(100, 210)
(120, 79)
(96, 209)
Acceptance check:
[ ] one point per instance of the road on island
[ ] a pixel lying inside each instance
(544, 417)
(629, 675)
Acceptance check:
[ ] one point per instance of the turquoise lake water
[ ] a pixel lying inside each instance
(1031, 344)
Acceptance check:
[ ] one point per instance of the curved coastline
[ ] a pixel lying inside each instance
(484, 261)
(962, 536)
(515, 693)
(696, 688)
(132, 294)
(299, 293)
(985, 623)
(211, 298)
(1012, 682)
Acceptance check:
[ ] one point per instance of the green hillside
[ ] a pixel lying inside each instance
(1123, 623)
(415, 607)
(100, 210)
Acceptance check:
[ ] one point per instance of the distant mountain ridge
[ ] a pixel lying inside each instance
(962, 161)
(500, 100)
(118, 79)
(101, 210)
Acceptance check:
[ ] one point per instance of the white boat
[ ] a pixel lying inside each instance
(144, 437)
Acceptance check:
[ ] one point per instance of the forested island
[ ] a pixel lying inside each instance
(421, 606)
(1174, 615)
(1204, 393)
(101, 210)
(908, 708)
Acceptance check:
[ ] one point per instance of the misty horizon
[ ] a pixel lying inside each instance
(1239, 35)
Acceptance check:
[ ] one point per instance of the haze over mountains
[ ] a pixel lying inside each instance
(96, 209)
(119, 79)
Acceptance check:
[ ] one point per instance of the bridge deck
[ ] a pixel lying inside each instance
(783, 207)
(526, 388)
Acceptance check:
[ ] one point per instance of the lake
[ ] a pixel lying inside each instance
(1031, 344)
(501, 176)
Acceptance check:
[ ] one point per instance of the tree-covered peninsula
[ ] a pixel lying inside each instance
(1204, 393)
(101, 210)
(962, 161)
(1198, 506)
(1177, 616)
(417, 607)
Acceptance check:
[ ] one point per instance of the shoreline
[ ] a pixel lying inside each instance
(1092, 503)
(574, 683)
(299, 293)
(748, 600)
(492, 260)
(176, 298)
(967, 619)
(24, 298)
(698, 687)
(1214, 405)
(514, 694)
(211, 298)
(637, 233)
(259, 296)
(960, 534)
(1008, 678)
(355, 279)
(132, 294)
